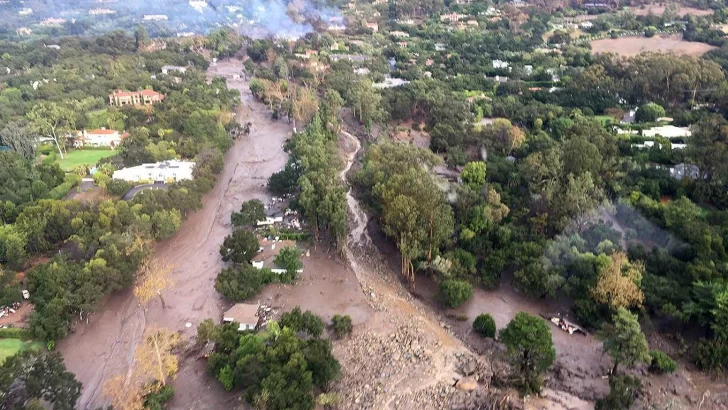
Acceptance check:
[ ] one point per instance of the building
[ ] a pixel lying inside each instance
(246, 315)
(143, 97)
(682, 171)
(165, 171)
(500, 64)
(452, 17)
(373, 26)
(23, 31)
(390, 82)
(98, 12)
(667, 131)
(399, 34)
(167, 68)
(99, 138)
(155, 17)
(269, 249)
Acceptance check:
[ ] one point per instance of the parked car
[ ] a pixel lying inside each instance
(26, 294)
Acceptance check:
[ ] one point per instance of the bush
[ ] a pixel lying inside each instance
(303, 322)
(484, 325)
(118, 187)
(289, 258)
(342, 325)
(241, 282)
(455, 292)
(661, 363)
(649, 112)
(712, 354)
(623, 391)
(250, 213)
(15, 333)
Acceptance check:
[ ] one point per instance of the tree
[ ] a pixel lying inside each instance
(242, 281)
(140, 37)
(35, 375)
(530, 349)
(619, 283)
(54, 121)
(503, 137)
(303, 322)
(624, 340)
(623, 391)
(155, 358)
(342, 325)
(649, 112)
(484, 325)
(661, 362)
(153, 280)
(455, 292)
(366, 102)
(250, 213)
(580, 198)
(239, 247)
(19, 138)
(289, 258)
(473, 175)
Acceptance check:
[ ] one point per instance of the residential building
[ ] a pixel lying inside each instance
(99, 138)
(667, 131)
(244, 314)
(373, 26)
(586, 25)
(167, 68)
(172, 170)
(400, 34)
(682, 170)
(143, 97)
(402, 44)
(96, 12)
(266, 256)
(452, 17)
(23, 31)
(390, 83)
(500, 64)
(155, 17)
(440, 47)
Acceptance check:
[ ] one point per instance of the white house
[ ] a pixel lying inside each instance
(99, 138)
(667, 131)
(244, 314)
(172, 170)
(500, 64)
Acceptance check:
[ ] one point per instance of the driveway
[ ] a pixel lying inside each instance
(130, 194)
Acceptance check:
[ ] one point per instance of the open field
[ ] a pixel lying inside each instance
(658, 10)
(631, 46)
(9, 347)
(74, 158)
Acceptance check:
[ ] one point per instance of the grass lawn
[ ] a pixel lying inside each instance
(604, 119)
(9, 347)
(77, 157)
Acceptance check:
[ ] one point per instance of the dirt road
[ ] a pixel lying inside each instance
(105, 347)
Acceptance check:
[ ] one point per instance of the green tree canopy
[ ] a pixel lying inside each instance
(530, 348)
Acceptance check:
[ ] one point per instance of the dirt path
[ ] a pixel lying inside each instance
(105, 347)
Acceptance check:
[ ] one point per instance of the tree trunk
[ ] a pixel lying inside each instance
(161, 299)
(159, 362)
(55, 139)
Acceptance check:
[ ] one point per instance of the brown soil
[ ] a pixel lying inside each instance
(631, 46)
(658, 10)
(20, 317)
(105, 346)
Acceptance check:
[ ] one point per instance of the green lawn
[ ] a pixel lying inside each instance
(77, 157)
(604, 119)
(9, 347)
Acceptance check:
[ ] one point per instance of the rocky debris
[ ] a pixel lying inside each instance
(483, 399)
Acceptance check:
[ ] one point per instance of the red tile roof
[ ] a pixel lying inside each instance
(102, 132)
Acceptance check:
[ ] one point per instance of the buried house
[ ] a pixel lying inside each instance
(245, 314)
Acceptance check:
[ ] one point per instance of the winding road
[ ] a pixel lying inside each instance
(105, 346)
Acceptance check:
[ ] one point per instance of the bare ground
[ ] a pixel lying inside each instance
(631, 46)
(657, 10)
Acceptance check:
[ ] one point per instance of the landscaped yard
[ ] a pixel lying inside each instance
(74, 158)
(9, 347)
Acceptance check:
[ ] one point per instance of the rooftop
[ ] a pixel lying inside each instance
(243, 313)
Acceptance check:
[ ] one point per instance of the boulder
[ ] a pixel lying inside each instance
(467, 384)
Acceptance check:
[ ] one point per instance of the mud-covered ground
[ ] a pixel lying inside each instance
(105, 346)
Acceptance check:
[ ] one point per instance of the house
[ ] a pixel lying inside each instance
(452, 17)
(97, 12)
(667, 131)
(25, 11)
(23, 31)
(390, 83)
(155, 17)
(402, 44)
(99, 138)
(500, 64)
(406, 22)
(400, 34)
(245, 314)
(172, 170)
(53, 46)
(269, 249)
(440, 47)
(143, 97)
(586, 25)
(373, 26)
(473, 23)
(361, 71)
(167, 68)
(528, 69)
(682, 170)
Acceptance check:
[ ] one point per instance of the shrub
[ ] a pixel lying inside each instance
(712, 354)
(243, 281)
(623, 390)
(661, 362)
(455, 292)
(303, 322)
(342, 325)
(484, 325)
(250, 213)
(15, 333)
(118, 187)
